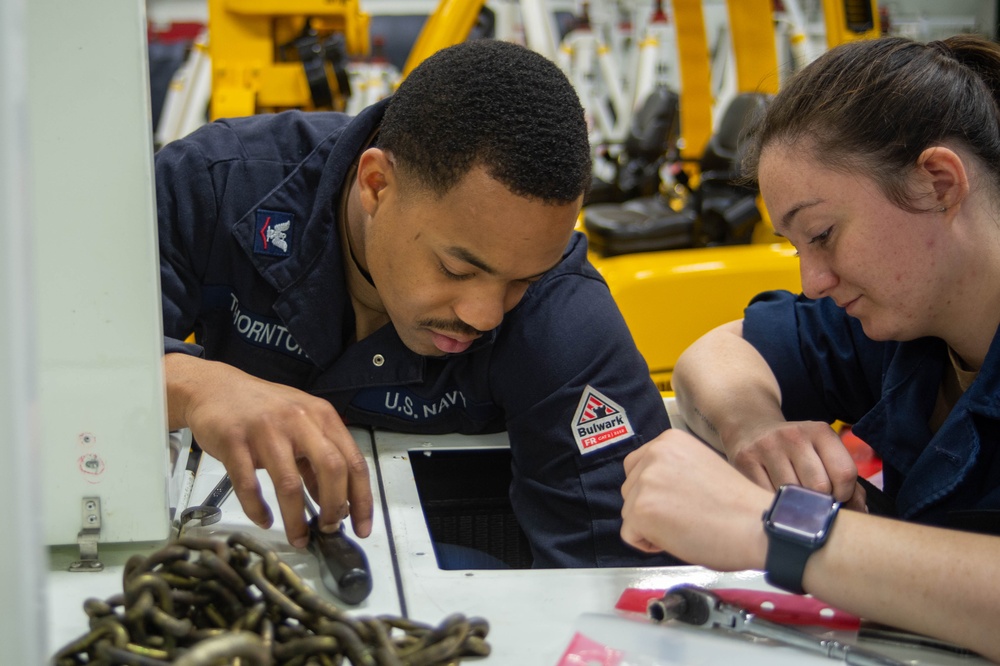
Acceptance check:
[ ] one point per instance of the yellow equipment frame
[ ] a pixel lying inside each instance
(850, 21)
(670, 298)
(752, 32)
(696, 78)
(451, 23)
(243, 38)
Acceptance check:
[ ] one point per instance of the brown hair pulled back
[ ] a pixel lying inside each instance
(875, 105)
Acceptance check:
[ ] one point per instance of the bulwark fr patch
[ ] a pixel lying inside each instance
(599, 421)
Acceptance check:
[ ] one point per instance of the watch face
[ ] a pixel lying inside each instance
(801, 512)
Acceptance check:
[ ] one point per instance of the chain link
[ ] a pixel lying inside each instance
(208, 602)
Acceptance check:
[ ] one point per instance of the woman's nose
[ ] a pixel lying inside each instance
(818, 278)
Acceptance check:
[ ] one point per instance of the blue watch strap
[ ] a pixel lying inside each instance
(797, 525)
(786, 563)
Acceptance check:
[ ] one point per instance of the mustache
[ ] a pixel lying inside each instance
(451, 326)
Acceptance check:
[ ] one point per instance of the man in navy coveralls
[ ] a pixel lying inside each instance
(413, 268)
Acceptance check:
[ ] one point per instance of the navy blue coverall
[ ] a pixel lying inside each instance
(829, 370)
(251, 262)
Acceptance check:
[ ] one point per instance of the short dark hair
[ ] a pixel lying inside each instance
(493, 104)
(874, 106)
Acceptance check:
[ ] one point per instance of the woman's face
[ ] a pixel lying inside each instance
(891, 269)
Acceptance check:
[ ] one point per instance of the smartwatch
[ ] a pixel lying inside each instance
(797, 525)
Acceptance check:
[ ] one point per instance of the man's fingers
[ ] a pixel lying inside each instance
(362, 504)
(247, 491)
(308, 478)
(343, 480)
(238, 460)
(282, 467)
(291, 502)
(296, 438)
(332, 482)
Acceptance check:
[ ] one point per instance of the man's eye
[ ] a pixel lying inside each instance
(453, 276)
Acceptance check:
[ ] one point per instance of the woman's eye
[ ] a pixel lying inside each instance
(821, 239)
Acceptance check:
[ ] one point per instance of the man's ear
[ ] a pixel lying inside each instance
(376, 172)
(942, 171)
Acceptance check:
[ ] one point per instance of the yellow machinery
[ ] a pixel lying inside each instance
(850, 20)
(671, 298)
(270, 55)
(450, 24)
(668, 298)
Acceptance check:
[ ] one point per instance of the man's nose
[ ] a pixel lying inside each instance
(482, 309)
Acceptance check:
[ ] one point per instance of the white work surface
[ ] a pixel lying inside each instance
(533, 614)
(67, 591)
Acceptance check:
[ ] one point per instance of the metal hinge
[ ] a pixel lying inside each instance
(88, 536)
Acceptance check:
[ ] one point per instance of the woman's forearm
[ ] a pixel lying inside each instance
(723, 385)
(931, 581)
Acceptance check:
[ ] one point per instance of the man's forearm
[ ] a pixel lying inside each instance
(181, 372)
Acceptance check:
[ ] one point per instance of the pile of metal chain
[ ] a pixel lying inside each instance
(207, 602)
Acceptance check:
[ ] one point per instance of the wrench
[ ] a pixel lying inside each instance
(209, 511)
(699, 607)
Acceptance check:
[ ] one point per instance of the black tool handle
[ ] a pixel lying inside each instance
(343, 565)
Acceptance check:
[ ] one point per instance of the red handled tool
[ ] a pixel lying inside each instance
(699, 607)
(775, 606)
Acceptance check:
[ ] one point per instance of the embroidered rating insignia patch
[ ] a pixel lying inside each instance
(599, 421)
(273, 233)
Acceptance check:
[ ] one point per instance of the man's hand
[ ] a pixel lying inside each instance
(248, 423)
(806, 453)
